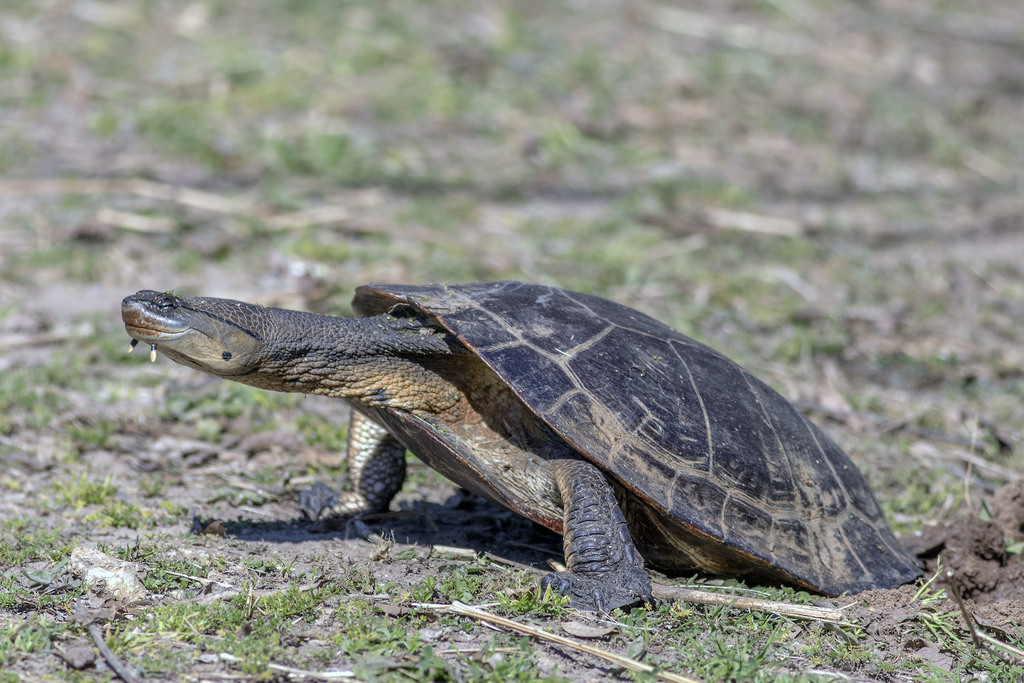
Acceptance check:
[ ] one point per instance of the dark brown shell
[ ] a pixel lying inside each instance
(721, 472)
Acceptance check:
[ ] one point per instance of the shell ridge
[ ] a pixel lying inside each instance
(813, 432)
(851, 552)
(788, 463)
(570, 354)
(703, 410)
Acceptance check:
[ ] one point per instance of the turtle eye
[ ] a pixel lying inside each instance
(165, 302)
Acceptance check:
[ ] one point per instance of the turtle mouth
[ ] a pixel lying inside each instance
(142, 325)
(152, 334)
(150, 326)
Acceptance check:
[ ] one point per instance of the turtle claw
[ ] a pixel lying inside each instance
(317, 498)
(319, 504)
(601, 592)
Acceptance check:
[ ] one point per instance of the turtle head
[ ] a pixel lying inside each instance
(221, 337)
(361, 359)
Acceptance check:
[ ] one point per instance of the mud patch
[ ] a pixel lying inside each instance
(974, 556)
(974, 552)
(1005, 617)
(1008, 509)
(884, 612)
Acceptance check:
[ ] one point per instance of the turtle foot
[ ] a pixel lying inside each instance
(601, 592)
(317, 498)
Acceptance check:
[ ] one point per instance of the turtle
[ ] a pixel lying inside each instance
(635, 442)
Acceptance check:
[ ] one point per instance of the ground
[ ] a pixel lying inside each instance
(829, 193)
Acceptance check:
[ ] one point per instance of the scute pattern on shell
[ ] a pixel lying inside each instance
(736, 473)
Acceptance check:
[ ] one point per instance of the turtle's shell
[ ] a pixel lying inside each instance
(713, 468)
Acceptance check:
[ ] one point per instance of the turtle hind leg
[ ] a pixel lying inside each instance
(605, 569)
(376, 471)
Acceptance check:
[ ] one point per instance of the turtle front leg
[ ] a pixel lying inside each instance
(376, 471)
(605, 569)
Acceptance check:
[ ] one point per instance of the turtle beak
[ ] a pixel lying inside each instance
(143, 322)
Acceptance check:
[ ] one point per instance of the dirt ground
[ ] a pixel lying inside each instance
(831, 195)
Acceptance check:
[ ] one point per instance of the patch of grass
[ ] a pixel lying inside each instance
(249, 626)
(195, 621)
(123, 515)
(799, 341)
(105, 123)
(737, 654)
(32, 397)
(135, 552)
(458, 582)
(185, 128)
(920, 491)
(419, 475)
(23, 541)
(300, 601)
(91, 437)
(939, 622)
(105, 507)
(711, 642)
(906, 128)
(938, 614)
(266, 566)
(14, 152)
(209, 408)
(79, 491)
(314, 247)
(440, 212)
(528, 600)
(33, 636)
(492, 663)
(221, 624)
(673, 196)
(166, 574)
(323, 433)
(327, 154)
(75, 261)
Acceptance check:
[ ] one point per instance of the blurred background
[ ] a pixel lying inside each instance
(828, 192)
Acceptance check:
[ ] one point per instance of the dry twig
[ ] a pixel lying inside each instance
(786, 609)
(532, 631)
(11, 341)
(140, 187)
(198, 579)
(292, 672)
(982, 641)
(134, 221)
(752, 222)
(113, 662)
(320, 216)
(967, 477)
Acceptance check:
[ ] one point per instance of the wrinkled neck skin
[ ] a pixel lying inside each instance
(382, 360)
(347, 358)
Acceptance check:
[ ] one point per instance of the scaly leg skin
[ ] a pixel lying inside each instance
(605, 569)
(376, 470)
